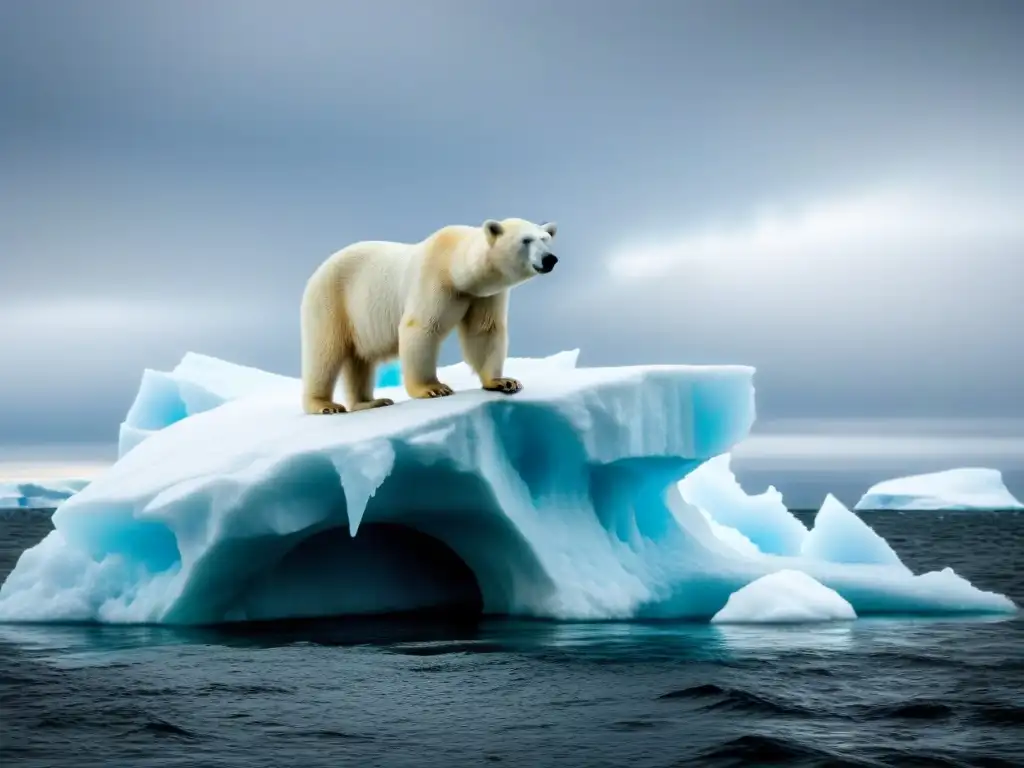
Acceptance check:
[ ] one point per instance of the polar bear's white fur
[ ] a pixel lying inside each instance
(375, 300)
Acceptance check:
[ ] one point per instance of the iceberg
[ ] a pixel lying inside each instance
(839, 536)
(565, 501)
(764, 520)
(38, 494)
(729, 535)
(968, 488)
(784, 597)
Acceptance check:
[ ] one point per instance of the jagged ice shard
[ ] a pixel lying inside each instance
(563, 501)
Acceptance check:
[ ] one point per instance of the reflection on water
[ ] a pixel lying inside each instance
(87, 644)
(780, 639)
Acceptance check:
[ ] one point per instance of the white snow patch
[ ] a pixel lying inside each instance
(784, 597)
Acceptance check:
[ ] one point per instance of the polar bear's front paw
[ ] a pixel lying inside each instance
(437, 389)
(324, 407)
(509, 386)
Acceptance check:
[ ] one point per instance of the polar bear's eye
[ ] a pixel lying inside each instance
(527, 240)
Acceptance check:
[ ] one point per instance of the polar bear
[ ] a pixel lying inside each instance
(375, 300)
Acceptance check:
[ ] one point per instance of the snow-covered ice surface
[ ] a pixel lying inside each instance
(784, 597)
(38, 494)
(562, 501)
(954, 489)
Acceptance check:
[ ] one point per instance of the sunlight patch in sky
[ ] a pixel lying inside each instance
(782, 239)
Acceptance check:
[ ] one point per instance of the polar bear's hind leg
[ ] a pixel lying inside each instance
(325, 345)
(319, 377)
(358, 376)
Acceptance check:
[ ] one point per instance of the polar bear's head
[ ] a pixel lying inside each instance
(520, 249)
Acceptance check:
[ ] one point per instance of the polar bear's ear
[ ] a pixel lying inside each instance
(493, 230)
(550, 227)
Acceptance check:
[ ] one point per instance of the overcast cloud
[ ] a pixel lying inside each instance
(828, 191)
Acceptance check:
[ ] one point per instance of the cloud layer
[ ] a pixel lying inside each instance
(819, 190)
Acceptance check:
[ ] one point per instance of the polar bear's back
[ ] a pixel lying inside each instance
(363, 287)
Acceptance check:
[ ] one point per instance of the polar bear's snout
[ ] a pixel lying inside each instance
(547, 263)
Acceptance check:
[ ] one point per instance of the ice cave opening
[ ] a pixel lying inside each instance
(387, 568)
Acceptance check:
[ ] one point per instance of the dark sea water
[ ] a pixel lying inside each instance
(465, 693)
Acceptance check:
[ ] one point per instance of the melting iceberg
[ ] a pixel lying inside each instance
(564, 501)
(784, 597)
(38, 494)
(955, 489)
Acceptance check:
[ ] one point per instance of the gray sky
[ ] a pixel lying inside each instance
(828, 191)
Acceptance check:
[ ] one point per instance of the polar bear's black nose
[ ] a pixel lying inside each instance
(548, 262)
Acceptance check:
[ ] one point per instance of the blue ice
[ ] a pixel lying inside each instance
(591, 494)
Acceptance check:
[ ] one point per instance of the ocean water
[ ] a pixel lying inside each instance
(467, 692)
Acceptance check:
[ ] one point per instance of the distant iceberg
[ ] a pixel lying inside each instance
(573, 499)
(976, 488)
(38, 494)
